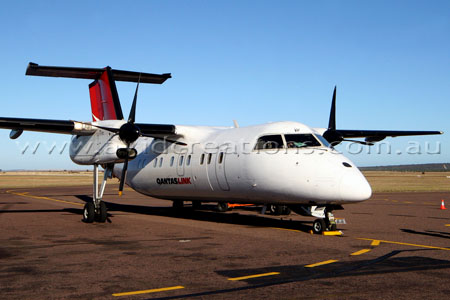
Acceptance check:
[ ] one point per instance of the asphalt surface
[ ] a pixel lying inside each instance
(401, 242)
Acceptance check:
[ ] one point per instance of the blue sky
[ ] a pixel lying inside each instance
(253, 61)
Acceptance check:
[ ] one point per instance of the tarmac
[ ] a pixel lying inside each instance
(394, 246)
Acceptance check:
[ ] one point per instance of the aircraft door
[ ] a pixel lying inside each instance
(220, 169)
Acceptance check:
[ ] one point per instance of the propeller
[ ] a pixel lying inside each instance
(128, 133)
(334, 137)
(331, 134)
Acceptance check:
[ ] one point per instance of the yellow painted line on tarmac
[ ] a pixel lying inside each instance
(408, 202)
(149, 291)
(26, 194)
(362, 251)
(448, 225)
(407, 244)
(254, 276)
(321, 263)
(375, 243)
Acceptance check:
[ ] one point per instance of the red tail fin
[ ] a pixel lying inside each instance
(105, 102)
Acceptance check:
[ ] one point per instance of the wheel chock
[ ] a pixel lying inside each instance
(338, 232)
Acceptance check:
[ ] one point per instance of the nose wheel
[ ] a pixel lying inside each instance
(319, 226)
(326, 224)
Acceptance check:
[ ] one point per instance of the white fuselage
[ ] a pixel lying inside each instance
(223, 164)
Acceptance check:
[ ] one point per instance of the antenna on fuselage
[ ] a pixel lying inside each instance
(236, 125)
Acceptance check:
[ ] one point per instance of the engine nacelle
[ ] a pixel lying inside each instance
(99, 148)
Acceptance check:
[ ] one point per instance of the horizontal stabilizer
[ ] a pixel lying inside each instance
(95, 73)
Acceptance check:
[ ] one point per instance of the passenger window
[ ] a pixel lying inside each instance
(171, 161)
(202, 159)
(155, 163)
(181, 160)
(160, 162)
(188, 161)
(301, 140)
(220, 157)
(209, 158)
(269, 142)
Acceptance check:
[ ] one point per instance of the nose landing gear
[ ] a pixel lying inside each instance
(325, 221)
(325, 224)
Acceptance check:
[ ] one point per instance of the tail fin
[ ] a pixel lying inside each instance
(105, 102)
(104, 98)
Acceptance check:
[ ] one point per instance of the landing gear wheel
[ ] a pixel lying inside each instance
(319, 226)
(101, 214)
(88, 212)
(222, 207)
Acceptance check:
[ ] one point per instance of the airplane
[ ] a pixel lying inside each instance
(283, 163)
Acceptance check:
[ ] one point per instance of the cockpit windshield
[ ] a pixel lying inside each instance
(323, 140)
(279, 141)
(301, 140)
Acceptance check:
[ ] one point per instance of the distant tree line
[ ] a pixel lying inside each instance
(444, 167)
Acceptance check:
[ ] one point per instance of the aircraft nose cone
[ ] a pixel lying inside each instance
(354, 187)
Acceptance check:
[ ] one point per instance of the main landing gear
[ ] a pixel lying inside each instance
(96, 210)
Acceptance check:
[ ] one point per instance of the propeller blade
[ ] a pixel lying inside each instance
(122, 178)
(331, 134)
(332, 121)
(132, 116)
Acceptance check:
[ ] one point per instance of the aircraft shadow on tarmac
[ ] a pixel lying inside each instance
(298, 273)
(205, 213)
(444, 235)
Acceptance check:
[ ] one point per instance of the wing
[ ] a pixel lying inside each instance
(336, 136)
(79, 128)
(18, 125)
(378, 135)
